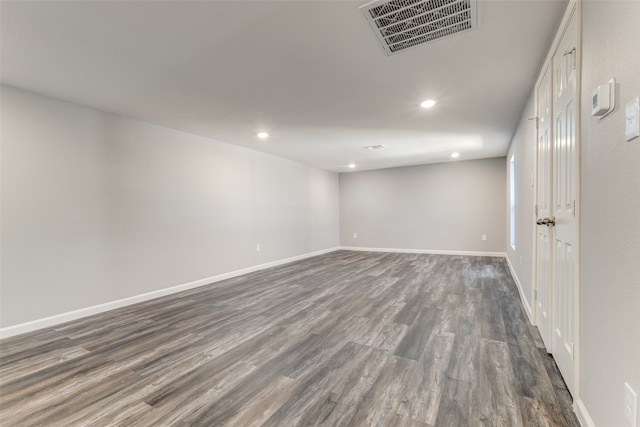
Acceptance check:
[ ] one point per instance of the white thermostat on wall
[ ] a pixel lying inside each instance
(603, 99)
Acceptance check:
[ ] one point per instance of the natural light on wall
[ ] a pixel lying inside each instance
(512, 201)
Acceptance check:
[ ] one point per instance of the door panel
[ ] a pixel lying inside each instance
(564, 296)
(564, 176)
(543, 202)
(556, 191)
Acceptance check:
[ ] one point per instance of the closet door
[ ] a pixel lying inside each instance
(556, 192)
(565, 175)
(543, 209)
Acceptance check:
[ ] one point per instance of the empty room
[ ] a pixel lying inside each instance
(407, 213)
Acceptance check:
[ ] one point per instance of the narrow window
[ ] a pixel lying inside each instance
(512, 201)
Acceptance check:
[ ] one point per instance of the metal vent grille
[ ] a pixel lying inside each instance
(402, 24)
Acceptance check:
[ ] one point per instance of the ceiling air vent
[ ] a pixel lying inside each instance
(402, 24)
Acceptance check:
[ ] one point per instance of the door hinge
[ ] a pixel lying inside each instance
(536, 210)
(535, 295)
(573, 350)
(574, 208)
(572, 52)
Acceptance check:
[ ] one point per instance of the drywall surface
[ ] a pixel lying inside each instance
(446, 207)
(523, 149)
(610, 214)
(97, 208)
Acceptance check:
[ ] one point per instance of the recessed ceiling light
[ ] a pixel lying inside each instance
(455, 155)
(373, 147)
(428, 103)
(263, 135)
(351, 165)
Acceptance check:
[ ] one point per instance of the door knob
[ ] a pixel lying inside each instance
(546, 221)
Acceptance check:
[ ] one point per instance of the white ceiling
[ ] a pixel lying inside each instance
(311, 73)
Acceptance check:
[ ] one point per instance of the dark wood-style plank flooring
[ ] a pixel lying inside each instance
(343, 339)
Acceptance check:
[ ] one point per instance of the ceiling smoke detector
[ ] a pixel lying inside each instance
(402, 24)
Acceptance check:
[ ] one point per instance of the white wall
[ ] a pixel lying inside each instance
(440, 207)
(97, 208)
(523, 147)
(610, 218)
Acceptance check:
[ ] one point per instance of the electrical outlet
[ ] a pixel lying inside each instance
(484, 237)
(258, 247)
(630, 406)
(355, 235)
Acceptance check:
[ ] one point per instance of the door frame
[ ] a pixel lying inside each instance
(574, 8)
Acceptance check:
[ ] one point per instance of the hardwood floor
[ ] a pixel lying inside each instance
(343, 339)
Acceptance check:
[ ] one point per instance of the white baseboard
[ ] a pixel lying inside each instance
(423, 251)
(525, 301)
(100, 308)
(583, 416)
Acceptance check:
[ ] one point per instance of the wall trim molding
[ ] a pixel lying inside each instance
(57, 319)
(583, 415)
(525, 303)
(423, 251)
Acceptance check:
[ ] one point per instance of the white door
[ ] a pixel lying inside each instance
(564, 177)
(557, 160)
(543, 207)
